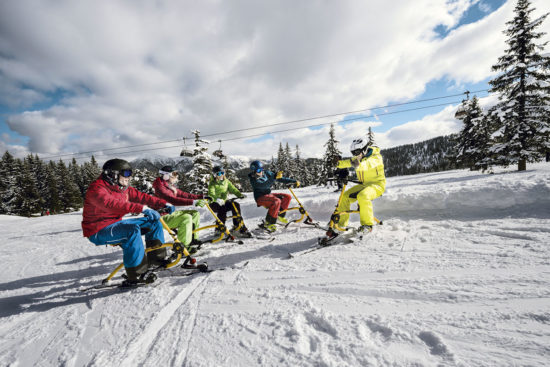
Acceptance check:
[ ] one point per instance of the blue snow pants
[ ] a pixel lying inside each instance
(128, 234)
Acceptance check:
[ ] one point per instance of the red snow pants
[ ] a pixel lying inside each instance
(274, 203)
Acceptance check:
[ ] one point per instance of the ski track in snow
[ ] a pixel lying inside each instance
(458, 275)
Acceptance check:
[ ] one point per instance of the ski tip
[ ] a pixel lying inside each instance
(290, 256)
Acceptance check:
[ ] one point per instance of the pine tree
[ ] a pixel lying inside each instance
(197, 180)
(299, 168)
(28, 200)
(370, 136)
(9, 171)
(142, 180)
(290, 170)
(53, 202)
(332, 153)
(40, 173)
(69, 194)
(90, 173)
(230, 174)
(466, 152)
(524, 88)
(75, 170)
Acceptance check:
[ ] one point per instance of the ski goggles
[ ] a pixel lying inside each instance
(220, 173)
(125, 173)
(258, 170)
(356, 152)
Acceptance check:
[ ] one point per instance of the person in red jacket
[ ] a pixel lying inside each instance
(184, 220)
(108, 199)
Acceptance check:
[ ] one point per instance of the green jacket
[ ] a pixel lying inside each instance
(220, 189)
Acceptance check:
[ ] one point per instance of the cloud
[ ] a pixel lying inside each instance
(138, 72)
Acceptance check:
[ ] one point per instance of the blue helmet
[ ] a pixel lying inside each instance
(256, 165)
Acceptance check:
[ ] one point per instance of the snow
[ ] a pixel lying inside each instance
(458, 275)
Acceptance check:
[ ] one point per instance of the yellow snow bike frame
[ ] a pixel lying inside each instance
(335, 217)
(300, 208)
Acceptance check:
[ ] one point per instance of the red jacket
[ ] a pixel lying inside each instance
(105, 204)
(163, 190)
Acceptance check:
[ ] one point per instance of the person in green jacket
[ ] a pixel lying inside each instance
(218, 189)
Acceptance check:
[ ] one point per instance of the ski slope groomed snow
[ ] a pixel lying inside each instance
(458, 275)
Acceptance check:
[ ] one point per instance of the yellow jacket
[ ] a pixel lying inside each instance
(370, 170)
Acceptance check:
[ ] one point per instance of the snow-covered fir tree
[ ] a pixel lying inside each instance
(53, 200)
(9, 169)
(28, 198)
(90, 172)
(524, 92)
(331, 155)
(299, 168)
(142, 180)
(290, 170)
(69, 194)
(370, 136)
(197, 179)
(467, 153)
(230, 173)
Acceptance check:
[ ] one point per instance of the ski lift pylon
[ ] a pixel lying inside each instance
(185, 152)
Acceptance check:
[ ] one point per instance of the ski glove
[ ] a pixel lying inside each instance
(279, 175)
(151, 214)
(297, 183)
(200, 203)
(170, 208)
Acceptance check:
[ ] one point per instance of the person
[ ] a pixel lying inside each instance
(184, 220)
(218, 188)
(110, 197)
(341, 176)
(369, 167)
(262, 181)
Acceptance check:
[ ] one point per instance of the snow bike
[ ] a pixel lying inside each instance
(222, 229)
(333, 226)
(178, 252)
(301, 209)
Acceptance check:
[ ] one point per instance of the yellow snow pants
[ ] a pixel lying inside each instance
(364, 193)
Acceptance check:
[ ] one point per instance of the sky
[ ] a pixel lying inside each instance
(103, 76)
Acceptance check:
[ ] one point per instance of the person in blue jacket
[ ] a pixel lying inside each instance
(262, 180)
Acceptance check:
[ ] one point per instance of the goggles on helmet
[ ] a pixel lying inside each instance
(258, 170)
(126, 173)
(220, 173)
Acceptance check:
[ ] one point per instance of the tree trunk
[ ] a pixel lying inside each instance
(522, 165)
(548, 156)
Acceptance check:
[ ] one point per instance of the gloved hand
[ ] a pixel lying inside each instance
(150, 214)
(297, 183)
(170, 208)
(279, 175)
(200, 203)
(208, 199)
(335, 161)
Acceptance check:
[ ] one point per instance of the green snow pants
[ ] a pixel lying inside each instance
(364, 193)
(185, 221)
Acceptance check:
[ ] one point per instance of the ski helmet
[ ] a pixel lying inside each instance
(167, 171)
(256, 166)
(358, 146)
(114, 168)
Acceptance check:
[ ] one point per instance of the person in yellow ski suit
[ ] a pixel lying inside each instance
(369, 167)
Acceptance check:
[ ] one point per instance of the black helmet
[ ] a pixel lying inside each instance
(114, 168)
(217, 169)
(167, 171)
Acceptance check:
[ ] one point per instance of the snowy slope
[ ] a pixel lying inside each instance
(458, 275)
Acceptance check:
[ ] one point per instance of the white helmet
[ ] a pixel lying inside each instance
(358, 146)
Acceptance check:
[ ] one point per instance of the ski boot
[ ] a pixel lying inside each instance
(330, 236)
(244, 232)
